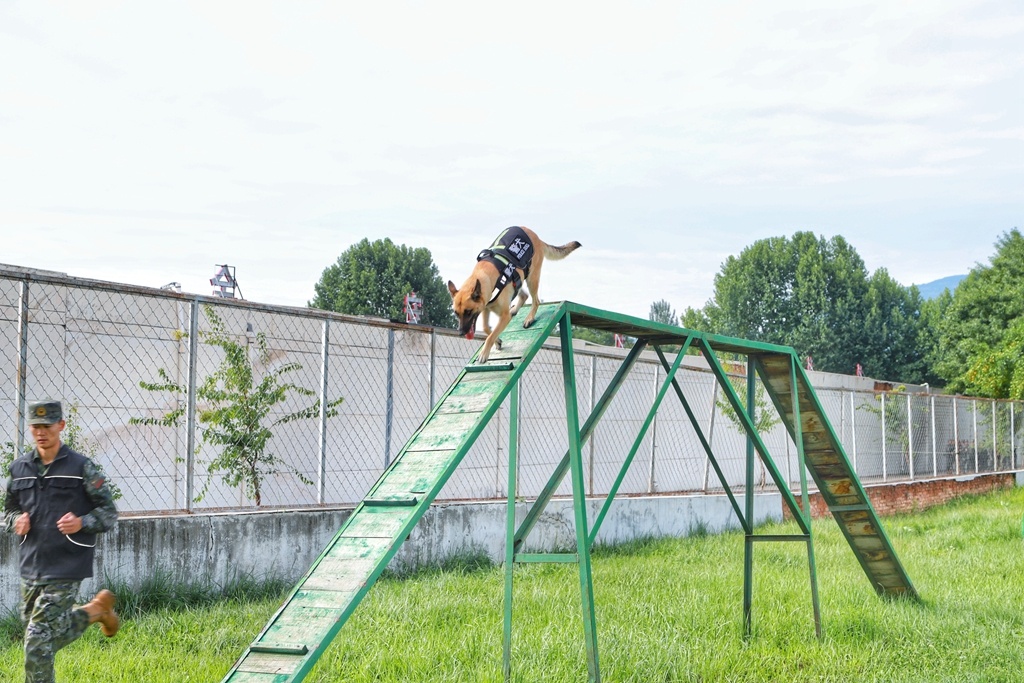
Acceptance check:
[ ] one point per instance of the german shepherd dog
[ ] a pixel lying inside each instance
(497, 278)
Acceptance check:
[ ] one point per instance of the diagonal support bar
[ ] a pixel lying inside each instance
(588, 428)
(747, 527)
(753, 434)
(669, 381)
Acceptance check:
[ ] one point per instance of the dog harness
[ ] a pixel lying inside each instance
(511, 252)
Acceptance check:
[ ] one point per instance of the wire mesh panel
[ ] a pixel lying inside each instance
(96, 347)
(680, 462)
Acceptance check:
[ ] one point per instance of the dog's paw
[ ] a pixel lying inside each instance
(529, 323)
(497, 344)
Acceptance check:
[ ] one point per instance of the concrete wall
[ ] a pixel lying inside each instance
(283, 544)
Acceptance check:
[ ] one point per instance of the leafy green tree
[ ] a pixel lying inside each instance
(662, 312)
(235, 406)
(998, 371)
(893, 331)
(815, 295)
(372, 278)
(979, 335)
(805, 292)
(594, 336)
(699, 319)
(933, 311)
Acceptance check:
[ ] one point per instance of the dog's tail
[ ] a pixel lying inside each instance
(558, 253)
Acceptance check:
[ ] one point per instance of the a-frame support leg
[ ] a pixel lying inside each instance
(748, 545)
(579, 500)
(798, 433)
(510, 527)
(755, 444)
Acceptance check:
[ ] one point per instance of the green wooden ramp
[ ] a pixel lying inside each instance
(322, 602)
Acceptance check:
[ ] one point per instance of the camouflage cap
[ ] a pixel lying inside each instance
(44, 412)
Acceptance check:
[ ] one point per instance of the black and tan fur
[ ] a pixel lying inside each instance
(475, 295)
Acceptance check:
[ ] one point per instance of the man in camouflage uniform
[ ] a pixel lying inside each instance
(57, 501)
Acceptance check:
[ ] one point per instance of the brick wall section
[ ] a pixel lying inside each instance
(891, 499)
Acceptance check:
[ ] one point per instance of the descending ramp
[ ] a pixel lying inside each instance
(831, 471)
(322, 602)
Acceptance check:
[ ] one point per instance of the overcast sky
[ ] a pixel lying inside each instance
(145, 142)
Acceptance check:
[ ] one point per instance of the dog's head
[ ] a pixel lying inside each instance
(468, 303)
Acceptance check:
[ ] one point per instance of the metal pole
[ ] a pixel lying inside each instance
(711, 434)
(910, 436)
(798, 432)
(510, 528)
(1013, 437)
(995, 442)
(748, 546)
(974, 415)
(190, 410)
(956, 434)
(390, 404)
(884, 470)
(654, 431)
(22, 372)
(433, 368)
(579, 499)
(593, 438)
(853, 427)
(321, 473)
(935, 447)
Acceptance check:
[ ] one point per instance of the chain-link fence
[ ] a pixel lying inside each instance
(91, 344)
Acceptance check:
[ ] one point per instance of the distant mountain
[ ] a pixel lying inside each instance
(930, 290)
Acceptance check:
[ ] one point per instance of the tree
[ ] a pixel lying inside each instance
(234, 406)
(980, 329)
(893, 331)
(372, 278)
(662, 312)
(815, 295)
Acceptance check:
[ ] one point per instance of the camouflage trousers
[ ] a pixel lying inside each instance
(52, 621)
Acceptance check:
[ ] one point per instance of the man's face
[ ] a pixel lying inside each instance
(47, 436)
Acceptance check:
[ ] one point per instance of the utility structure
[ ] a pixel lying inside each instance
(319, 606)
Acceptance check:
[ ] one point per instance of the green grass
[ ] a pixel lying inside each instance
(667, 610)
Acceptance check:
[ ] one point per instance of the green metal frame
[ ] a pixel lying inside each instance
(389, 503)
(572, 462)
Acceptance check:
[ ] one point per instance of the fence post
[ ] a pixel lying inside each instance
(22, 373)
(853, 427)
(935, 449)
(433, 368)
(956, 433)
(593, 436)
(974, 416)
(654, 430)
(390, 389)
(190, 410)
(321, 470)
(995, 440)
(884, 470)
(910, 435)
(1013, 437)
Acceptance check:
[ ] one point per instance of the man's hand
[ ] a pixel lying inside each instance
(22, 524)
(69, 524)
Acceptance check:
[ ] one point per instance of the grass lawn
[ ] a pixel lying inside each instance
(667, 610)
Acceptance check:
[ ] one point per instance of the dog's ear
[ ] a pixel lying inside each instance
(452, 289)
(476, 292)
